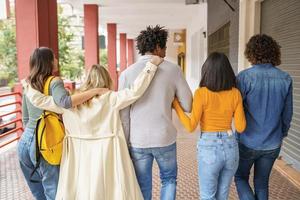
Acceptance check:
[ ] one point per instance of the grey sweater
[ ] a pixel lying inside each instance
(30, 114)
(148, 122)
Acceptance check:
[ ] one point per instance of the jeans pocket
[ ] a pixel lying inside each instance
(272, 154)
(246, 153)
(207, 154)
(166, 154)
(136, 154)
(232, 156)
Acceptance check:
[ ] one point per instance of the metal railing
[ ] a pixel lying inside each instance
(15, 132)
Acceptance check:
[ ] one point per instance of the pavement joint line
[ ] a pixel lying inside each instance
(287, 171)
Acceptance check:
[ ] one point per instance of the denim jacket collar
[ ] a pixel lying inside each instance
(265, 65)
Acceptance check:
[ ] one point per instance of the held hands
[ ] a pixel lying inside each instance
(156, 60)
(175, 103)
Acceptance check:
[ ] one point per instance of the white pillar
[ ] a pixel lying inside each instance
(249, 25)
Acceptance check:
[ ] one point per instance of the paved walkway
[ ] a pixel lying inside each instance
(13, 187)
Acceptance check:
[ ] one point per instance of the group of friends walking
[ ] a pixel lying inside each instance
(113, 137)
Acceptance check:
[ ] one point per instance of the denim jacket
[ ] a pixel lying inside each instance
(267, 95)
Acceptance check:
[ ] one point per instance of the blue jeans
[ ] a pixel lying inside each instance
(263, 161)
(166, 158)
(218, 158)
(46, 175)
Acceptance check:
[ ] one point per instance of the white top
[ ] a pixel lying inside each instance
(148, 122)
(96, 162)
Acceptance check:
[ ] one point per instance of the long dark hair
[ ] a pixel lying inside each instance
(41, 67)
(217, 73)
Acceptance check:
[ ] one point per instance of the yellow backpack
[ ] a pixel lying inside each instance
(49, 133)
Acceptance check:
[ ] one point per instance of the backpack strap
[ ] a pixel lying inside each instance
(47, 85)
(37, 154)
(37, 147)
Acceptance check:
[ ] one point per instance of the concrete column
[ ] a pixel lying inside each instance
(130, 52)
(91, 38)
(7, 9)
(123, 53)
(249, 25)
(36, 26)
(112, 52)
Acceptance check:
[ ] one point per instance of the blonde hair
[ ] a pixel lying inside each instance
(98, 77)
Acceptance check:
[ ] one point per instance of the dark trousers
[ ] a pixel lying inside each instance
(263, 161)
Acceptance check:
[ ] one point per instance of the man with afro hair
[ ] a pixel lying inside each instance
(148, 123)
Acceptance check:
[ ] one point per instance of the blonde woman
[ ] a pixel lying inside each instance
(95, 155)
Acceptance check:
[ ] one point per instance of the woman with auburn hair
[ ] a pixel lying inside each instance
(216, 102)
(95, 162)
(42, 65)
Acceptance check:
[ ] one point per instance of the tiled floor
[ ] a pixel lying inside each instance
(13, 187)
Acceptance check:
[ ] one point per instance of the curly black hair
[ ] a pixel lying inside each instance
(151, 37)
(262, 49)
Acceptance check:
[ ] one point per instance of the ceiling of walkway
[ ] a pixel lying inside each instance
(131, 16)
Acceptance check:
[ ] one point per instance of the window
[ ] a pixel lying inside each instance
(219, 40)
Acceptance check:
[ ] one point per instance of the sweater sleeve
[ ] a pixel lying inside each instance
(125, 113)
(183, 92)
(40, 100)
(60, 95)
(25, 114)
(239, 115)
(190, 123)
(127, 96)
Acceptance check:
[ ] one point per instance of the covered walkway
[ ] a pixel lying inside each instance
(194, 31)
(12, 185)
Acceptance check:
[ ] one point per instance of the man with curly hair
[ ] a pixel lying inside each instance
(148, 122)
(268, 103)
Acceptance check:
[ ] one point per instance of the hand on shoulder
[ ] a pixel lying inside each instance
(156, 60)
(175, 103)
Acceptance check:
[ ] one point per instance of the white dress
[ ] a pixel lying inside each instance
(96, 162)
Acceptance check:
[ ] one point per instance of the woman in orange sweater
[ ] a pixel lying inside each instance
(215, 103)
